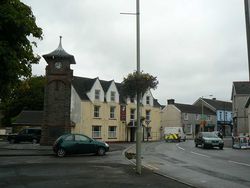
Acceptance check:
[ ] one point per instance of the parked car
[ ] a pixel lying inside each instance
(78, 144)
(26, 135)
(219, 134)
(208, 139)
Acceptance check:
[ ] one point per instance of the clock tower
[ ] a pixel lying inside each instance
(57, 95)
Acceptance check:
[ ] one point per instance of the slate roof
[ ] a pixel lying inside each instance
(34, 118)
(83, 85)
(156, 103)
(61, 53)
(187, 108)
(242, 87)
(219, 105)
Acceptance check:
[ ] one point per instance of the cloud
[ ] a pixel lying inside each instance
(194, 47)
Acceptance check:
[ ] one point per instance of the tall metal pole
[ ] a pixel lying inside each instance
(138, 128)
(247, 18)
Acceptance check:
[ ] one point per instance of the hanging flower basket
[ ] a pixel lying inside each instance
(138, 83)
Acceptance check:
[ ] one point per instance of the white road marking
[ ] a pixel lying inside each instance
(200, 154)
(151, 167)
(244, 164)
(181, 148)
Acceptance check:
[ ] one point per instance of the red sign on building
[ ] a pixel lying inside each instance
(123, 113)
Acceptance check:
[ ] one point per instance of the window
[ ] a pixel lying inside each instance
(96, 111)
(96, 131)
(81, 138)
(97, 94)
(147, 100)
(69, 138)
(221, 116)
(112, 96)
(132, 114)
(112, 112)
(132, 100)
(112, 132)
(185, 116)
(197, 116)
(225, 116)
(147, 115)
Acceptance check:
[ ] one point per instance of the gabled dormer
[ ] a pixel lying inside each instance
(112, 94)
(96, 93)
(148, 99)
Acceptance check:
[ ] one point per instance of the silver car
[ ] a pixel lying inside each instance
(208, 139)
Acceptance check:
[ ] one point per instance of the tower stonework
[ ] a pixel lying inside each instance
(57, 95)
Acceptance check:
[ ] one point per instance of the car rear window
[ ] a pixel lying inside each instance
(69, 138)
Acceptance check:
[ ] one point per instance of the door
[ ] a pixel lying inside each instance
(84, 144)
(132, 134)
(69, 144)
(22, 135)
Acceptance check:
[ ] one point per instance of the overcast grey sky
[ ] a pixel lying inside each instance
(194, 47)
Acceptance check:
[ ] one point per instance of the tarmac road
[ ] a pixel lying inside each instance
(209, 168)
(19, 168)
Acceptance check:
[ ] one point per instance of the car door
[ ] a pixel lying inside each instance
(84, 144)
(22, 135)
(69, 144)
(198, 139)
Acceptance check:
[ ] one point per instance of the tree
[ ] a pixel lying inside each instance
(29, 95)
(138, 83)
(17, 27)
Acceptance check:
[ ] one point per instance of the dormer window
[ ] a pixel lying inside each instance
(97, 94)
(147, 100)
(112, 96)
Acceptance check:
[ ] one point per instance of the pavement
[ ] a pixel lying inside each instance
(109, 178)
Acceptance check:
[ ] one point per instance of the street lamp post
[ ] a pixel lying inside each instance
(138, 128)
(138, 98)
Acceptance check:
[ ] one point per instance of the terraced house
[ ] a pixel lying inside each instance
(99, 110)
(193, 119)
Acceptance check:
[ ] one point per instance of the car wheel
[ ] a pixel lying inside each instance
(203, 145)
(34, 141)
(12, 141)
(196, 145)
(61, 152)
(221, 147)
(101, 151)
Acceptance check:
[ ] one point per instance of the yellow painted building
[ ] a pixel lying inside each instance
(99, 111)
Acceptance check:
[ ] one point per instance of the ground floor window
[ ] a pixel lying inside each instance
(96, 131)
(188, 129)
(112, 132)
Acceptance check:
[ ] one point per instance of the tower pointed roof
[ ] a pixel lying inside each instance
(60, 53)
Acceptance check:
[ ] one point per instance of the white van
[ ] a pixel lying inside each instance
(177, 133)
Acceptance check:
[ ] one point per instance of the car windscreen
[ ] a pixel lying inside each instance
(209, 135)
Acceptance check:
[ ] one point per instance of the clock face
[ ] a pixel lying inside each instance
(58, 65)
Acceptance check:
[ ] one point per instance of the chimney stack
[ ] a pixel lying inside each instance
(170, 101)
